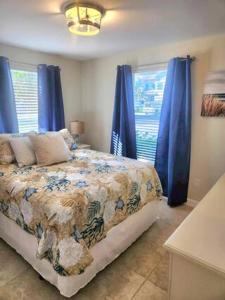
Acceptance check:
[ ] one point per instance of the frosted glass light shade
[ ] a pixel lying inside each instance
(84, 19)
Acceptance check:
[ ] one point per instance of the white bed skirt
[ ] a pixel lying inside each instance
(118, 239)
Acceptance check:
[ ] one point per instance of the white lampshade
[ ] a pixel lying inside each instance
(77, 127)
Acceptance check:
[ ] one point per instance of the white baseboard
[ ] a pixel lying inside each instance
(190, 202)
(165, 198)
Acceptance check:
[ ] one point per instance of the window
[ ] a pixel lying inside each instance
(148, 95)
(25, 90)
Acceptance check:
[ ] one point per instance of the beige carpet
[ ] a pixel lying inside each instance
(139, 273)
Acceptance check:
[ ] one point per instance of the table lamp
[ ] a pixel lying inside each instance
(76, 129)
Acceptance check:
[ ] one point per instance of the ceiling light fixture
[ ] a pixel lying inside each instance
(84, 18)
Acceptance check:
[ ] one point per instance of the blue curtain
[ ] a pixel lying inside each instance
(50, 99)
(174, 140)
(8, 116)
(123, 140)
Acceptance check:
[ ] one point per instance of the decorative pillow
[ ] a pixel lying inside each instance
(23, 151)
(65, 134)
(6, 152)
(74, 146)
(67, 137)
(50, 149)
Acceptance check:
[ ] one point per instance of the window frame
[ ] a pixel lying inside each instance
(16, 66)
(146, 69)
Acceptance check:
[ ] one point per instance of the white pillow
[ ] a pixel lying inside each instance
(66, 135)
(6, 152)
(50, 149)
(23, 151)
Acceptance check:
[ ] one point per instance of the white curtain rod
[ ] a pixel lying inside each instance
(163, 63)
(22, 63)
(152, 64)
(25, 63)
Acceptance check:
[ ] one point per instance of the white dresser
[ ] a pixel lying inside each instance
(197, 250)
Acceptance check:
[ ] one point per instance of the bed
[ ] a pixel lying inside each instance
(72, 219)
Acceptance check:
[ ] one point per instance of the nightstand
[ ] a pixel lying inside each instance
(83, 146)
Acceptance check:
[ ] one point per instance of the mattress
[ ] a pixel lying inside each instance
(118, 239)
(70, 207)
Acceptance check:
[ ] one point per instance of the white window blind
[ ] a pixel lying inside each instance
(148, 96)
(26, 97)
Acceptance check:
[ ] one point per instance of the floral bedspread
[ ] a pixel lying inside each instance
(69, 207)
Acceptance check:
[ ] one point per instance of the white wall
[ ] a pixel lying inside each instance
(70, 75)
(208, 134)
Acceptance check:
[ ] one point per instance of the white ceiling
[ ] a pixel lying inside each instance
(128, 24)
